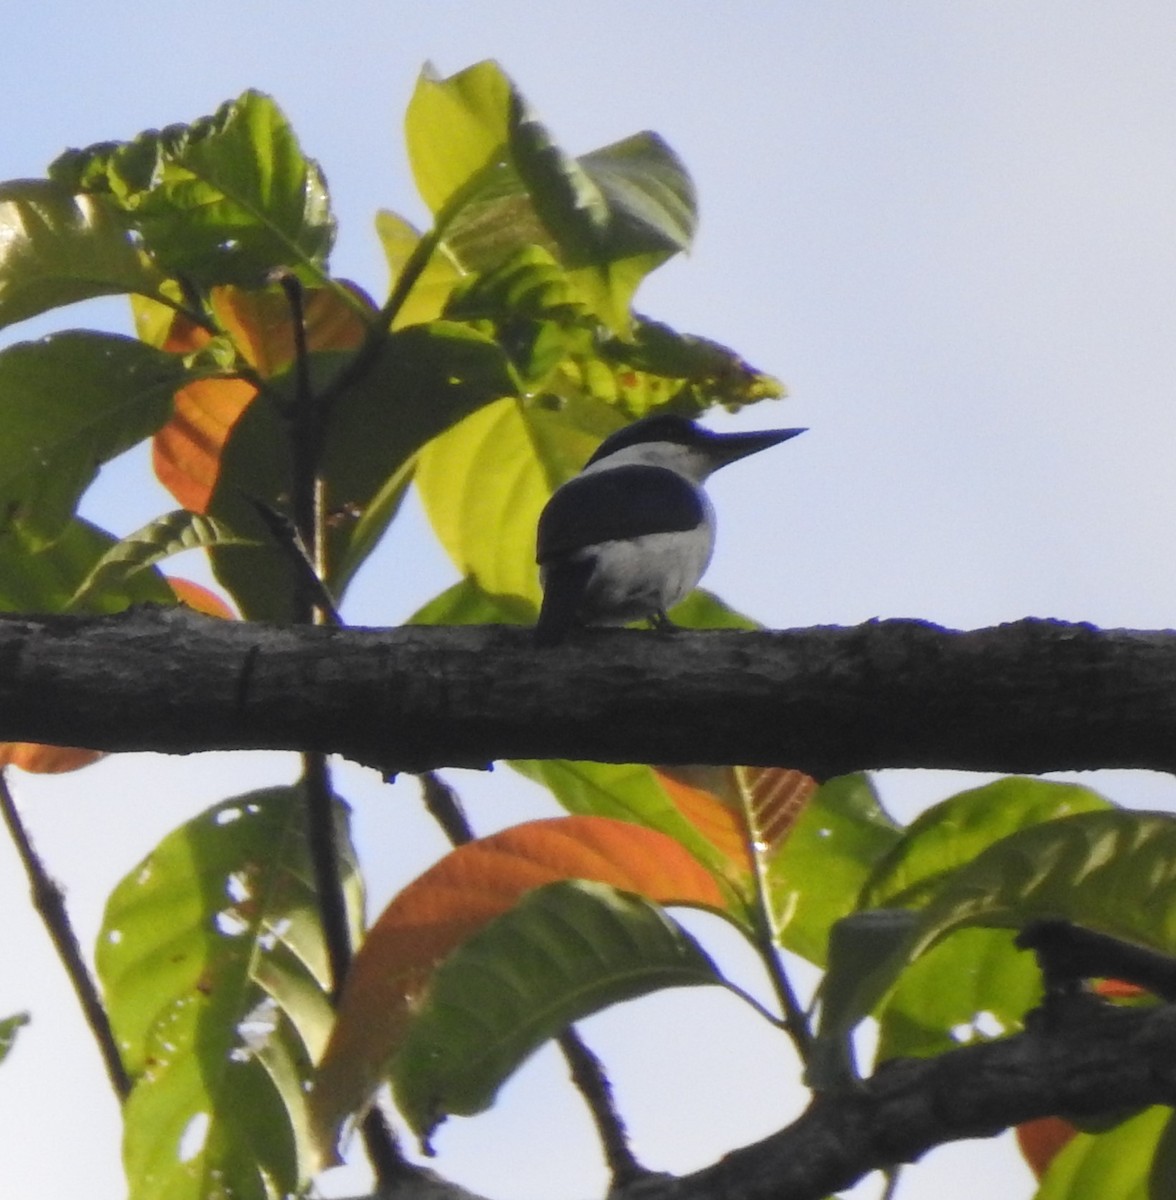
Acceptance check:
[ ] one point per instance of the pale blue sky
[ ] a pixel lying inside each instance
(949, 229)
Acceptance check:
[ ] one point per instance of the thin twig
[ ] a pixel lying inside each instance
(587, 1072)
(49, 903)
(307, 544)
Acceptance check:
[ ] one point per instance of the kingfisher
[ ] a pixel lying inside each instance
(631, 534)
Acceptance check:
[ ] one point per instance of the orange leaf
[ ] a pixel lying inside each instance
(45, 760)
(187, 450)
(451, 901)
(1042, 1140)
(736, 807)
(260, 326)
(202, 599)
(703, 796)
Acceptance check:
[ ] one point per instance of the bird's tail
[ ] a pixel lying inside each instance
(563, 590)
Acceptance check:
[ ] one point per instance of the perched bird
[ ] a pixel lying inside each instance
(632, 534)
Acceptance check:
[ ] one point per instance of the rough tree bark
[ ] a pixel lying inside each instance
(1030, 696)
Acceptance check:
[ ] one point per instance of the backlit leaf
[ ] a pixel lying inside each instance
(57, 248)
(69, 403)
(565, 951)
(225, 199)
(451, 901)
(426, 300)
(216, 979)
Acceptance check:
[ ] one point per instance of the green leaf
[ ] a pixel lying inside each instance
(45, 578)
(172, 533)
(8, 1030)
(1109, 870)
(456, 129)
(424, 380)
(1121, 1162)
(565, 951)
(814, 878)
(216, 979)
(497, 182)
(57, 248)
(223, 200)
(69, 403)
(484, 483)
(427, 298)
(950, 834)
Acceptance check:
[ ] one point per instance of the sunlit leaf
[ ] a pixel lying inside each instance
(173, 533)
(8, 1031)
(565, 951)
(68, 403)
(485, 481)
(456, 128)
(225, 199)
(465, 603)
(426, 300)
(1121, 1162)
(451, 901)
(216, 979)
(57, 248)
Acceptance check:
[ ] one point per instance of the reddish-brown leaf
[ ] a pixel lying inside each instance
(707, 798)
(187, 450)
(775, 797)
(45, 760)
(453, 900)
(202, 599)
(1042, 1140)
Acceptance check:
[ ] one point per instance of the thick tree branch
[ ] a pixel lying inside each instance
(1082, 1059)
(1030, 696)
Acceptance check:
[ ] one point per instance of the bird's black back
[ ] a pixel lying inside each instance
(622, 502)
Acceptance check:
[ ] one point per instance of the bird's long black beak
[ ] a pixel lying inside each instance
(730, 447)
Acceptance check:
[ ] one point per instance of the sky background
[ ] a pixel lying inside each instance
(948, 228)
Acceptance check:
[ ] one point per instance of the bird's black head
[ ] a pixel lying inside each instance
(663, 427)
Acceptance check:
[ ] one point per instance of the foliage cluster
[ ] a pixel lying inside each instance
(288, 414)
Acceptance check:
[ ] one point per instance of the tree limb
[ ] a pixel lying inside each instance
(1079, 1058)
(1030, 696)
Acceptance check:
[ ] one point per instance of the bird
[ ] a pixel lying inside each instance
(632, 534)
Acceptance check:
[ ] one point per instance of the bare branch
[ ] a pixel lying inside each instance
(1031, 696)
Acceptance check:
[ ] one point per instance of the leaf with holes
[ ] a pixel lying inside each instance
(563, 952)
(57, 248)
(449, 903)
(216, 979)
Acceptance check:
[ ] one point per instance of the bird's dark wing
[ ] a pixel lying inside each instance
(622, 502)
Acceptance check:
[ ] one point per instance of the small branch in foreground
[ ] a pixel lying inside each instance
(50, 905)
(587, 1072)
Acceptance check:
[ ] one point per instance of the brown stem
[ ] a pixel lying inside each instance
(49, 903)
